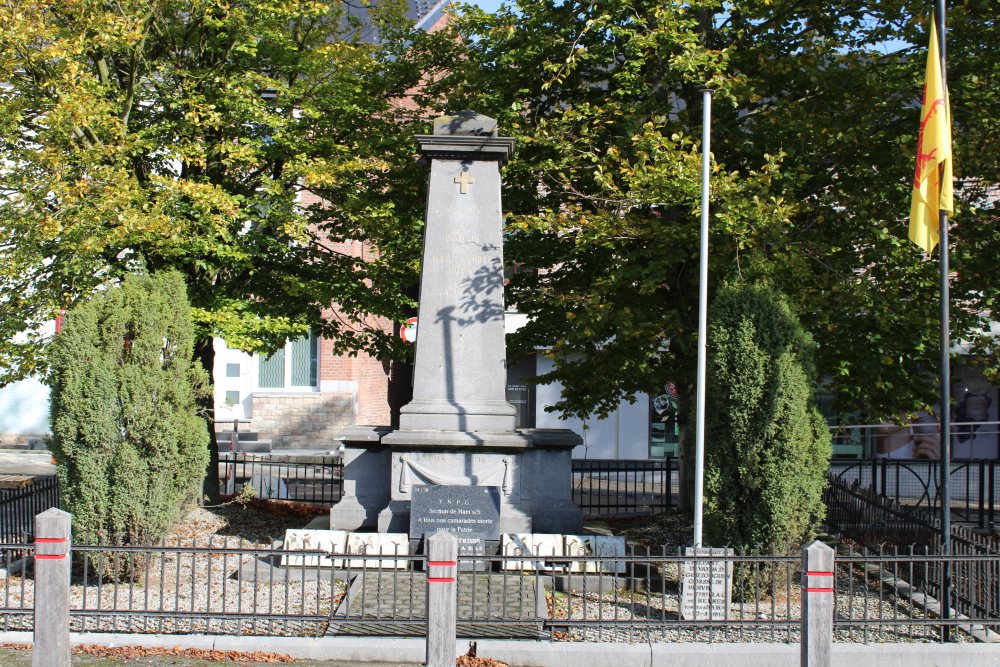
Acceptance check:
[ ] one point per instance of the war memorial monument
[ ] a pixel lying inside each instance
(457, 437)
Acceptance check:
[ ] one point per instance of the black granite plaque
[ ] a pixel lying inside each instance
(464, 511)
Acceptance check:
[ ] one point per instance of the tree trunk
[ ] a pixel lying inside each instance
(205, 353)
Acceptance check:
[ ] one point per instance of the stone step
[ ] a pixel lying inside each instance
(246, 446)
(307, 444)
(226, 436)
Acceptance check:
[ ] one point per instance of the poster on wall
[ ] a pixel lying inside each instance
(974, 429)
(920, 438)
(974, 416)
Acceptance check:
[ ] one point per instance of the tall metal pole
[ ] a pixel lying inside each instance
(939, 18)
(699, 436)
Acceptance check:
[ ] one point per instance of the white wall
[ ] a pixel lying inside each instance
(242, 384)
(24, 408)
(24, 405)
(624, 434)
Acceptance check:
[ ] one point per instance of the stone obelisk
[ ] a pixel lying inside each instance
(460, 368)
(459, 429)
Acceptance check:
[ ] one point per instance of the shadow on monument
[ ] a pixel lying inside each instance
(446, 320)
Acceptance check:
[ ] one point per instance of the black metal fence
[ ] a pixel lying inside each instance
(214, 587)
(220, 587)
(896, 592)
(18, 507)
(877, 525)
(621, 488)
(973, 484)
(310, 479)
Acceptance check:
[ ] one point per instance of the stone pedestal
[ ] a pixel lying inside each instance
(366, 480)
(459, 428)
(534, 477)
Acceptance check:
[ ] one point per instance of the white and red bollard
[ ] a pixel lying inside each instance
(50, 647)
(442, 599)
(817, 605)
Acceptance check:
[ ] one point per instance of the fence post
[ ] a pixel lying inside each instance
(817, 605)
(992, 491)
(50, 647)
(669, 475)
(442, 587)
(982, 493)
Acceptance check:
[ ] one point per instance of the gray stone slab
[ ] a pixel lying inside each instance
(395, 651)
(464, 511)
(480, 597)
(465, 122)
(26, 462)
(361, 434)
(457, 439)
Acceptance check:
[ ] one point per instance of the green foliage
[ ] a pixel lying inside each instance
(238, 143)
(767, 447)
(814, 137)
(130, 446)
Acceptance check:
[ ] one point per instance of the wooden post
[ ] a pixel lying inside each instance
(52, 546)
(442, 587)
(817, 605)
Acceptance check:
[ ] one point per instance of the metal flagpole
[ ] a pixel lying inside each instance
(699, 437)
(939, 18)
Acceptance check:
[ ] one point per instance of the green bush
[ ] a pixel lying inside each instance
(130, 446)
(767, 448)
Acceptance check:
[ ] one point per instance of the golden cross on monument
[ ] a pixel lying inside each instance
(465, 181)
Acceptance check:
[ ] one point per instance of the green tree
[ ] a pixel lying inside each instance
(240, 143)
(767, 446)
(129, 443)
(814, 137)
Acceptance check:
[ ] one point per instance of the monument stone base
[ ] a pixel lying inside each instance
(531, 468)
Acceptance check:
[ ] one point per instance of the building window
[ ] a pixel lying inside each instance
(232, 398)
(520, 393)
(302, 355)
(232, 370)
(271, 371)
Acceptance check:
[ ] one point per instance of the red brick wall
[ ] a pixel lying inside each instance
(382, 386)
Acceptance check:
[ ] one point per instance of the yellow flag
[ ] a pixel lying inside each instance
(932, 184)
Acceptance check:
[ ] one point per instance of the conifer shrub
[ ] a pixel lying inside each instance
(767, 448)
(130, 446)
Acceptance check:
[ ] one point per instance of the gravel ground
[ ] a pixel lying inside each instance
(190, 588)
(10, 658)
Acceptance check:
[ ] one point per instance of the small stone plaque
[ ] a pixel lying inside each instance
(464, 511)
(541, 546)
(379, 547)
(706, 584)
(518, 544)
(596, 545)
(330, 541)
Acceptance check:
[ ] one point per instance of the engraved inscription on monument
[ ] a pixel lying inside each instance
(706, 584)
(470, 513)
(464, 511)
